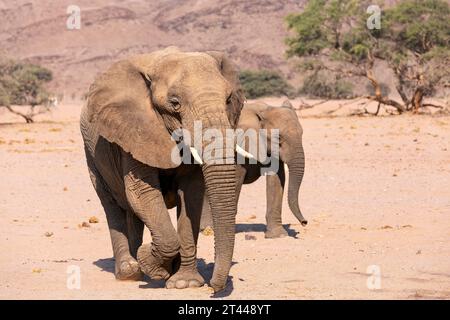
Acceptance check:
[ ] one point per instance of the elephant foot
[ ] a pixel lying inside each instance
(275, 232)
(185, 277)
(127, 268)
(154, 267)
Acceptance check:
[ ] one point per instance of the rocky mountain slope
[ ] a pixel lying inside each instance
(252, 32)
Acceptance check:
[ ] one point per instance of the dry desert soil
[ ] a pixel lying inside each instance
(376, 193)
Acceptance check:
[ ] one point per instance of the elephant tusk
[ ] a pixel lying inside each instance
(195, 154)
(244, 153)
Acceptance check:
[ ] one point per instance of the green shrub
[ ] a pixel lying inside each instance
(264, 83)
(317, 86)
(22, 83)
(414, 39)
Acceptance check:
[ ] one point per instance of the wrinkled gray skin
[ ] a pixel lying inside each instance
(132, 108)
(261, 116)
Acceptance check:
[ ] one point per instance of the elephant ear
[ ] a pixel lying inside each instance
(272, 118)
(230, 72)
(250, 121)
(119, 105)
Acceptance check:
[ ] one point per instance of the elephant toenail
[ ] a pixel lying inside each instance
(181, 284)
(194, 283)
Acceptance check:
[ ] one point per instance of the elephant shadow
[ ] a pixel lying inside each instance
(205, 269)
(106, 265)
(261, 227)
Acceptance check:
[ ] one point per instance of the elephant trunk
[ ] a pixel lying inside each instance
(220, 181)
(296, 167)
(219, 172)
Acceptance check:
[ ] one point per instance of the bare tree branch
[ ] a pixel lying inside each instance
(432, 105)
(32, 112)
(304, 105)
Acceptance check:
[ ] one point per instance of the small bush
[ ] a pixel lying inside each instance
(23, 84)
(264, 83)
(318, 86)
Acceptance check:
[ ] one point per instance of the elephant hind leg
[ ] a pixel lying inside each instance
(135, 232)
(126, 267)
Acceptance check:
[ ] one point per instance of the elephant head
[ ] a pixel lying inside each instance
(139, 102)
(284, 118)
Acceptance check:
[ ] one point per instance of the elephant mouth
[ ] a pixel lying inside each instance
(213, 140)
(196, 155)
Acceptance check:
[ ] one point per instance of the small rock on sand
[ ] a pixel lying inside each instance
(93, 219)
(208, 231)
(84, 225)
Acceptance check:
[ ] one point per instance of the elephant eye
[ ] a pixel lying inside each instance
(175, 103)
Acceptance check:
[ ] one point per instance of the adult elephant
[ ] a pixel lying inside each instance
(135, 166)
(258, 116)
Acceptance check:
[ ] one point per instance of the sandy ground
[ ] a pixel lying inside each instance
(376, 193)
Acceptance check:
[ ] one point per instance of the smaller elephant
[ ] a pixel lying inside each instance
(262, 116)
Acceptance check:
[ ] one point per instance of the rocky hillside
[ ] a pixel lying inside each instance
(252, 32)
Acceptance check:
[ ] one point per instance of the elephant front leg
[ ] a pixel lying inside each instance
(146, 200)
(274, 195)
(189, 210)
